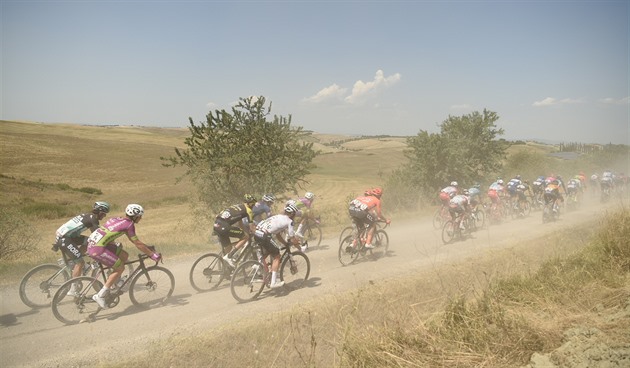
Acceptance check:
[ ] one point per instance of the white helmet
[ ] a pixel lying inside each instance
(500, 181)
(268, 198)
(454, 183)
(309, 195)
(290, 208)
(134, 210)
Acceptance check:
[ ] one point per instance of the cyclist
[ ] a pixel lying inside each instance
(538, 188)
(365, 210)
(263, 207)
(459, 207)
(474, 195)
(495, 191)
(102, 248)
(552, 192)
(522, 191)
(72, 244)
(269, 234)
(511, 188)
(304, 205)
(448, 192)
(235, 221)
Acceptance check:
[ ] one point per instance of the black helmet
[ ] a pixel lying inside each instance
(100, 206)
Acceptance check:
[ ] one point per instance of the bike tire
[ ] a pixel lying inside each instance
(75, 309)
(40, 284)
(294, 278)
(345, 232)
(207, 272)
(448, 231)
(527, 208)
(480, 218)
(151, 287)
(313, 235)
(347, 253)
(248, 281)
(380, 241)
(438, 221)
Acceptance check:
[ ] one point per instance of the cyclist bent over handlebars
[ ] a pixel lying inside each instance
(365, 211)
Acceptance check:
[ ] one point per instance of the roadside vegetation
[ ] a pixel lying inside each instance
(487, 322)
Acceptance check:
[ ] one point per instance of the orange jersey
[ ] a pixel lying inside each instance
(368, 203)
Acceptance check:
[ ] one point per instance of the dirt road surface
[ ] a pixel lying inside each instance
(34, 338)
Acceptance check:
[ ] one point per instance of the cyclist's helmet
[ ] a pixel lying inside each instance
(249, 199)
(368, 192)
(454, 183)
(290, 209)
(466, 192)
(102, 207)
(377, 192)
(518, 177)
(134, 210)
(309, 195)
(477, 186)
(269, 198)
(500, 181)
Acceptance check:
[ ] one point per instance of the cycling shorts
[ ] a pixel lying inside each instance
(73, 248)
(107, 255)
(267, 243)
(225, 231)
(493, 195)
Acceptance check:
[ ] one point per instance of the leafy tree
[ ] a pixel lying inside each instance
(242, 152)
(466, 149)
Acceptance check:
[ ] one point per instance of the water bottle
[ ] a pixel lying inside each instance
(121, 281)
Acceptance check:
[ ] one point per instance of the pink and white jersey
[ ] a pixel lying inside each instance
(112, 230)
(450, 190)
(459, 200)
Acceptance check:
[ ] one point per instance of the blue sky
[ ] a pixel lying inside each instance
(556, 70)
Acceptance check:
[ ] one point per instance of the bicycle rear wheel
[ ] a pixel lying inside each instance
(151, 287)
(207, 272)
(347, 253)
(380, 241)
(248, 281)
(74, 309)
(448, 231)
(480, 218)
(438, 220)
(294, 272)
(40, 283)
(313, 234)
(345, 232)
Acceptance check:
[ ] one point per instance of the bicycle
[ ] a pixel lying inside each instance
(40, 283)
(551, 211)
(209, 270)
(351, 229)
(353, 246)
(148, 286)
(252, 276)
(440, 216)
(312, 232)
(451, 230)
(479, 216)
(521, 208)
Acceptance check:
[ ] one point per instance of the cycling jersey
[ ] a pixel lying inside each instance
(75, 226)
(365, 210)
(258, 210)
(101, 246)
(235, 213)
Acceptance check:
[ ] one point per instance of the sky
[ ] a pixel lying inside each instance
(551, 70)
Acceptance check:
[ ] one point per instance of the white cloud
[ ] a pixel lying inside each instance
(331, 92)
(211, 105)
(614, 101)
(550, 101)
(361, 90)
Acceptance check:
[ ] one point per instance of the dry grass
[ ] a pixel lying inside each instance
(425, 320)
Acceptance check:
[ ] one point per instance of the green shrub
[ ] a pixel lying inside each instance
(48, 211)
(90, 190)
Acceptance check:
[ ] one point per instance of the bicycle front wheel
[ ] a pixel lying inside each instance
(40, 284)
(78, 307)
(151, 287)
(448, 231)
(248, 281)
(480, 218)
(313, 234)
(207, 272)
(294, 270)
(380, 241)
(438, 220)
(347, 253)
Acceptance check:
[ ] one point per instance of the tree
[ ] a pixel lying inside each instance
(465, 150)
(243, 152)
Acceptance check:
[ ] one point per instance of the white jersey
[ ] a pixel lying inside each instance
(276, 224)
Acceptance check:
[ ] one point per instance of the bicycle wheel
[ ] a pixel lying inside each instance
(74, 309)
(345, 232)
(40, 283)
(294, 272)
(151, 287)
(526, 208)
(448, 231)
(380, 241)
(247, 281)
(480, 218)
(313, 234)
(347, 253)
(438, 220)
(207, 272)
